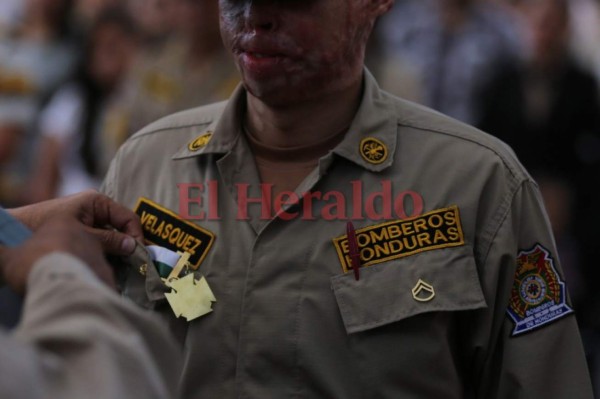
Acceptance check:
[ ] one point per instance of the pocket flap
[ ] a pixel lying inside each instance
(146, 289)
(384, 292)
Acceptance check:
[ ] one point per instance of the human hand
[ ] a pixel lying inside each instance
(97, 212)
(64, 234)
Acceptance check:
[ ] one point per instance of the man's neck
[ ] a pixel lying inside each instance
(303, 123)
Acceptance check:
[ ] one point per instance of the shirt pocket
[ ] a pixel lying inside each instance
(384, 292)
(143, 284)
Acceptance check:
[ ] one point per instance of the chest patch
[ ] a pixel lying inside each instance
(392, 240)
(164, 228)
(538, 296)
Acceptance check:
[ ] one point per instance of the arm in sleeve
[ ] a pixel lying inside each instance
(77, 338)
(535, 350)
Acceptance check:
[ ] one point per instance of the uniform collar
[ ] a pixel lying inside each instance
(375, 121)
(225, 129)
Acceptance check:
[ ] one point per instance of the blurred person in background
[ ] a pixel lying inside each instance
(71, 126)
(548, 111)
(10, 14)
(586, 33)
(191, 69)
(394, 74)
(156, 21)
(456, 45)
(88, 11)
(547, 108)
(34, 57)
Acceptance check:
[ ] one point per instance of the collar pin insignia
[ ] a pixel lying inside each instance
(373, 151)
(200, 142)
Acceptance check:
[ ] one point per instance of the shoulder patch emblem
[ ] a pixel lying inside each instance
(392, 240)
(200, 142)
(163, 227)
(373, 151)
(538, 296)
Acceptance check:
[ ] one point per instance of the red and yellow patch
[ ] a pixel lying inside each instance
(538, 296)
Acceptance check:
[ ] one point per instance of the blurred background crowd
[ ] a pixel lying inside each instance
(77, 77)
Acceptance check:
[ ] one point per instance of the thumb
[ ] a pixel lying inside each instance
(114, 242)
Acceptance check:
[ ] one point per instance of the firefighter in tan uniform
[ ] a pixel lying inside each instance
(446, 283)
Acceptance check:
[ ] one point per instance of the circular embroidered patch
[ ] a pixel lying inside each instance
(373, 151)
(200, 142)
(533, 289)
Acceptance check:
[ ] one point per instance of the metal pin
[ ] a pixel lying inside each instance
(423, 292)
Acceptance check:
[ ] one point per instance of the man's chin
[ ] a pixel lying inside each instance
(278, 95)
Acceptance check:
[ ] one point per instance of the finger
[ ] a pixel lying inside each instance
(114, 242)
(106, 211)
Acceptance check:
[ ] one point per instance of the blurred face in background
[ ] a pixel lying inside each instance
(112, 51)
(547, 25)
(46, 6)
(297, 50)
(155, 18)
(198, 19)
(87, 11)
(50, 12)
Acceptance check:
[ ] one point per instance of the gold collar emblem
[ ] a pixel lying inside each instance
(373, 151)
(200, 142)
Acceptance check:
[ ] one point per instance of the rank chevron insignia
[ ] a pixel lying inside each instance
(423, 292)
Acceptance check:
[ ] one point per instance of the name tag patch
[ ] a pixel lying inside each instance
(164, 228)
(392, 240)
(538, 296)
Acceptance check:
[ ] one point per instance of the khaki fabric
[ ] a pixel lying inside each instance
(288, 322)
(77, 339)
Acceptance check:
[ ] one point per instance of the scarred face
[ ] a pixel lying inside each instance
(290, 51)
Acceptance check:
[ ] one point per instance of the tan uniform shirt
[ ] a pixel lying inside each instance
(77, 339)
(427, 318)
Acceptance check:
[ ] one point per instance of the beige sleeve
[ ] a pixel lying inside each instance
(78, 339)
(538, 354)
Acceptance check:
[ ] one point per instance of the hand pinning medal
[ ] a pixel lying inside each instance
(190, 295)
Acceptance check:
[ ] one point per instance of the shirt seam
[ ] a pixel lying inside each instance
(505, 213)
(501, 222)
(142, 133)
(513, 171)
